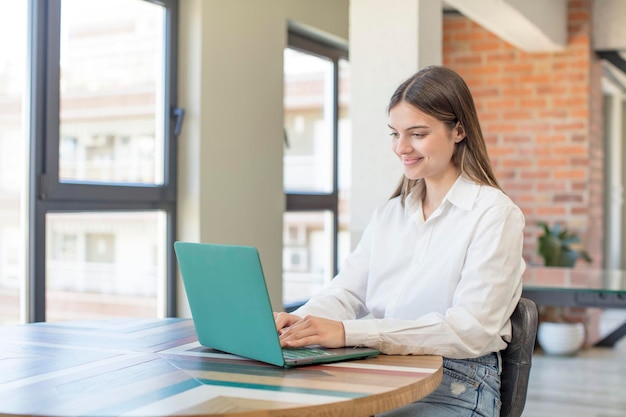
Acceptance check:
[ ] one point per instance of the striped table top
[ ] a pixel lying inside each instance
(155, 367)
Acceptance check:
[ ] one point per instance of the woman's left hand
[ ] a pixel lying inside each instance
(312, 330)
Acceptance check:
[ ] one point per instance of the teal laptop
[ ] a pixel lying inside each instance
(231, 309)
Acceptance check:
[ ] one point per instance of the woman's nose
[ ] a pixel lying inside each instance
(403, 145)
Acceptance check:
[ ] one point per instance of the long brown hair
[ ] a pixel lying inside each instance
(442, 93)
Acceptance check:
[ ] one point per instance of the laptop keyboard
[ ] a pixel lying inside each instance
(290, 354)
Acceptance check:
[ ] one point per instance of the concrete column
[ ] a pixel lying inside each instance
(389, 41)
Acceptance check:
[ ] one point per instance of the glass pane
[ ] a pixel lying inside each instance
(101, 265)
(13, 145)
(308, 123)
(307, 250)
(345, 162)
(111, 91)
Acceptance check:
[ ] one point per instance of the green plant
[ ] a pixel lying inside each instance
(555, 246)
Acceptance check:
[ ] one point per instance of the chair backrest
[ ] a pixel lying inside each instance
(517, 359)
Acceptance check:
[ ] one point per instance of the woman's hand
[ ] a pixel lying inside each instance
(284, 320)
(310, 330)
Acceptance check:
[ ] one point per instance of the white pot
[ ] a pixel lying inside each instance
(561, 338)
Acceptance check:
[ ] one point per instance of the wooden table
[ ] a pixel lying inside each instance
(155, 367)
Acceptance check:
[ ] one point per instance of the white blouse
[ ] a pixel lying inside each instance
(444, 286)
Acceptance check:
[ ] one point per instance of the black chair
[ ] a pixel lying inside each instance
(517, 359)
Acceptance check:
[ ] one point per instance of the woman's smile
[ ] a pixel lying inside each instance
(411, 160)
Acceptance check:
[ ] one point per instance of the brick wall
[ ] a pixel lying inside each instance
(541, 117)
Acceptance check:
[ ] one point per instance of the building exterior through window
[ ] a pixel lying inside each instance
(316, 166)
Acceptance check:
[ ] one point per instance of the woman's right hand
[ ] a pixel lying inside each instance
(284, 320)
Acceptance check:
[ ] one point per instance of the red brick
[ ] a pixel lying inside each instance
(522, 67)
(580, 15)
(552, 162)
(560, 198)
(468, 59)
(516, 139)
(517, 91)
(502, 127)
(532, 175)
(571, 150)
(569, 102)
(571, 126)
(472, 36)
(488, 91)
(533, 102)
(570, 174)
(518, 186)
(486, 46)
(551, 210)
(536, 78)
(550, 139)
(582, 114)
(542, 117)
(500, 56)
(553, 114)
(500, 151)
(517, 163)
(487, 70)
(548, 89)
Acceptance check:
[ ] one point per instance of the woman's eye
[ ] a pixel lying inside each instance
(393, 134)
(417, 135)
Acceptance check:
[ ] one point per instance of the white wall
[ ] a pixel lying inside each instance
(388, 43)
(231, 146)
(609, 24)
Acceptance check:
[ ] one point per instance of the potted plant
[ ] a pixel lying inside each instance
(557, 334)
(555, 246)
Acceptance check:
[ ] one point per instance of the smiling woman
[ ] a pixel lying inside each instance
(438, 270)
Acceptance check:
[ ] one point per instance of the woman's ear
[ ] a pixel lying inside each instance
(458, 132)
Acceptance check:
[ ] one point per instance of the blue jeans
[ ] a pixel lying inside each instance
(469, 388)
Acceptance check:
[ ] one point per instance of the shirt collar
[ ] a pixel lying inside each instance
(462, 194)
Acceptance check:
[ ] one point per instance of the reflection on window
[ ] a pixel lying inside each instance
(64, 247)
(100, 247)
(345, 162)
(317, 122)
(111, 94)
(307, 254)
(13, 142)
(104, 264)
(308, 161)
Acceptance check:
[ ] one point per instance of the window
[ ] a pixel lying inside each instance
(103, 159)
(316, 168)
(111, 91)
(13, 156)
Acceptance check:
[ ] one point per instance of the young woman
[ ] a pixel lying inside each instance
(438, 270)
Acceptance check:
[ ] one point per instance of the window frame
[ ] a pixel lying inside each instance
(47, 194)
(297, 201)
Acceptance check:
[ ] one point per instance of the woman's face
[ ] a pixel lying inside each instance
(423, 143)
